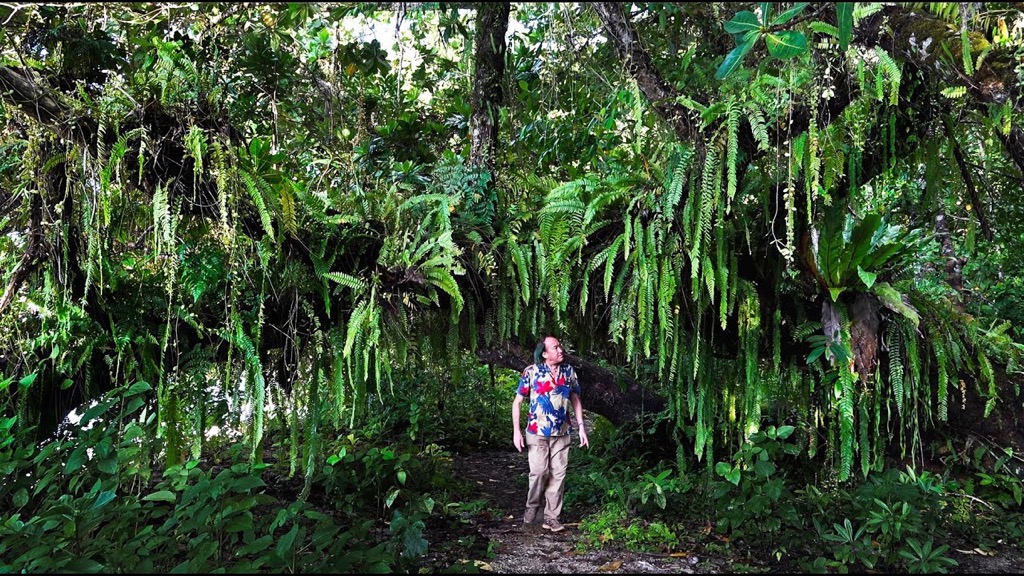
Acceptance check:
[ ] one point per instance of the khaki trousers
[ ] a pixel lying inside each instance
(549, 456)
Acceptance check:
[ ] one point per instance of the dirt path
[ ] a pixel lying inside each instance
(490, 535)
(497, 533)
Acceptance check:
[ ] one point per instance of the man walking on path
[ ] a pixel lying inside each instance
(552, 388)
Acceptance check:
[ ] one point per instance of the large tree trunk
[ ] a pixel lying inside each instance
(864, 322)
(489, 61)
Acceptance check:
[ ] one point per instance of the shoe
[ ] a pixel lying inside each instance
(531, 527)
(531, 516)
(553, 525)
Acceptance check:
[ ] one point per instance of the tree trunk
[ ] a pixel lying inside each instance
(954, 272)
(972, 191)
(864, 321)
(489, 63)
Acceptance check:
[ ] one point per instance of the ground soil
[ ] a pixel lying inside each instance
(491, 537)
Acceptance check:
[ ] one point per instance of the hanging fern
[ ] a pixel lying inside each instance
(255, 186)
(732, 154)
(942, 372)
(895, 344)
(847, 441)
(676, 177)
(988, 377)
(891, 69)
(864, 444)
(702, 229)
(758, 126)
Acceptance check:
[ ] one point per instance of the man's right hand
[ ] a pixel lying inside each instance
(517, 439)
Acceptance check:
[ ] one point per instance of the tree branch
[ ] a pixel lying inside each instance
(622, 33)
(620, 399)
(23, 88)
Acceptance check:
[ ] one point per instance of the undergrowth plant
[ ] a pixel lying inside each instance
(89, 501)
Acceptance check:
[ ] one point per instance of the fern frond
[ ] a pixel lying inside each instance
(732, 154)
(253, 188)
(347, 280)
(891, 69)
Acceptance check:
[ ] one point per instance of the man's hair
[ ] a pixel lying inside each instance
(539, 350)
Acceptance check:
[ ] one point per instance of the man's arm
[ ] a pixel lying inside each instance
(517, 433)
(577, 408)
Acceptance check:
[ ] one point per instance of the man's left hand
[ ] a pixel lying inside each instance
(583, 437)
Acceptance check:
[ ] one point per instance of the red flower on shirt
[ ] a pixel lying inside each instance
(532, 428)
(544, 387)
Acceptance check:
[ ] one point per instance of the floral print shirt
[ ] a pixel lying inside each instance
(549, 398)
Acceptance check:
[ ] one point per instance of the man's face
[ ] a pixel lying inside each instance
(552, 350)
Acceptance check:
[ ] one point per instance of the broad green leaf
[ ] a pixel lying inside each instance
(414, 545)
(734, 475)
(867, 277)
(258, 545)
(764, 468)
(839, 351)
(27, 380)
(95, 411)
(860, 240)
(104, 498)
(722, 468)
(789, 14)
(246, 483)
(815, 354)
(835, 291)
(742, 22)
(83, 566)
(139, 387)
(785, 431)
(844, 18)
(735, 58)
(239, 523)
(286, 546)
(314, 515)
(108, 465)
(133, 405)
(786, 44)
(75, 461)
(258, 147)
(161, 496)
(893, 300)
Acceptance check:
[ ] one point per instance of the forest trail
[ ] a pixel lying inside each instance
(490, 536)
(505, 546)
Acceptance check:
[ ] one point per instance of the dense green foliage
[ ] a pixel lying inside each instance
(255, 235)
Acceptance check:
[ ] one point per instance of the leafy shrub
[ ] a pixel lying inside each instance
(88, 502)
